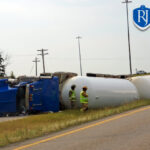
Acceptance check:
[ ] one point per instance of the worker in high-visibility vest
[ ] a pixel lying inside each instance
(72, 96)
(84, 99)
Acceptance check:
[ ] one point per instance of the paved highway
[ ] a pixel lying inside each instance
(127, 131)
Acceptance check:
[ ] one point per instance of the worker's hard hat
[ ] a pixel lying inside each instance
(85, 87)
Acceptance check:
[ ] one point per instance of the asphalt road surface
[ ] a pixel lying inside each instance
(127, 131)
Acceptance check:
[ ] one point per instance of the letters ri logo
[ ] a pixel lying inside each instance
(141, 17)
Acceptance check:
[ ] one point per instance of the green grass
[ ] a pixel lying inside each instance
(39, 125)
(136, 75)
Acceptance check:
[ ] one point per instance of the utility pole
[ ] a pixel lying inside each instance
(78, 37)
(36, 61)
(127, 10)
(43, 54)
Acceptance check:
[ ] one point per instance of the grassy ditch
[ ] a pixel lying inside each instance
(137, 75)
(38, 125)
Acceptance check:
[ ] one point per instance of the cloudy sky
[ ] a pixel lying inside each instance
(29, 25)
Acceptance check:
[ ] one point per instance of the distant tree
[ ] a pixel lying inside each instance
(4, 61)
(12, 76)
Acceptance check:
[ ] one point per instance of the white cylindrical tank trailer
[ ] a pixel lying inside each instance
(142, 84)
(103, 92)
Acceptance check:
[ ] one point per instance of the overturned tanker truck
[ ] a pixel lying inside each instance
(50, 93)
(103, 91)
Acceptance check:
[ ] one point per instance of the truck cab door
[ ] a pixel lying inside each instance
(35, 96)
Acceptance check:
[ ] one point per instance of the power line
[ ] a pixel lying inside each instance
(43, 54)
(127, 10)
(31, 69)
(36, 61)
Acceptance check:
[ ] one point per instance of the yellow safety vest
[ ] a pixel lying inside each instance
(73, 96)
(83, 99)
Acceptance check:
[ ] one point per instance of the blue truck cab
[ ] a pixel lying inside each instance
(7, 98)
(43, 95)
(38, 96)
